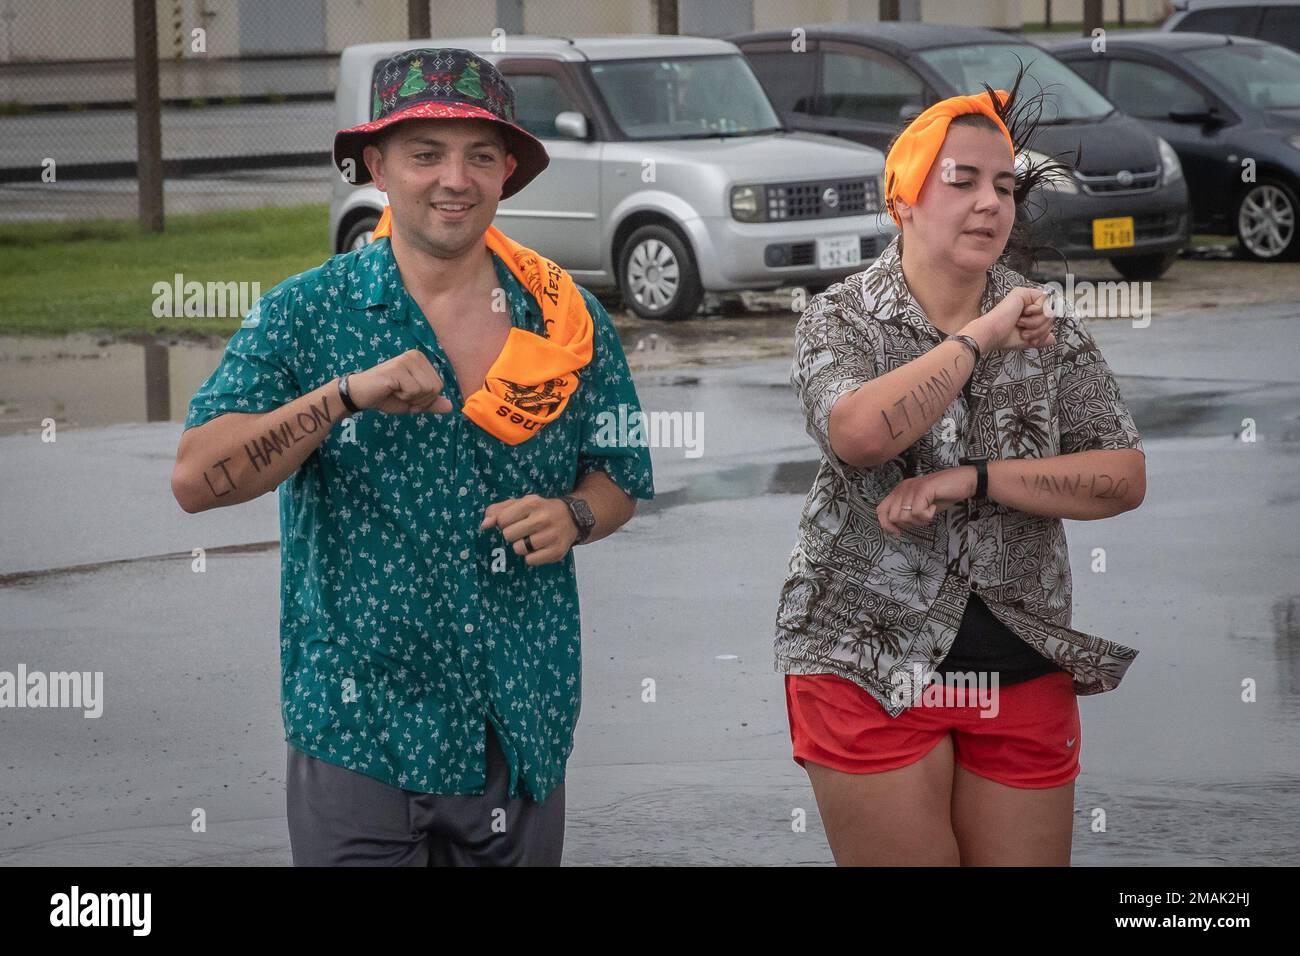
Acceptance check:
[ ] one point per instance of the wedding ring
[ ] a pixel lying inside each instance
(528, 543)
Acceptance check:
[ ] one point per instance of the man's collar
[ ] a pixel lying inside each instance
(379, 281)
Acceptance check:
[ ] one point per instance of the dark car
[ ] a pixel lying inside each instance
(1126, 202)
(1277, 21)
(1230, 106)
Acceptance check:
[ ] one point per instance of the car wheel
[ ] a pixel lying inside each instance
(657, 275)
(358, 234)
(1266, 221)
(1144, 268)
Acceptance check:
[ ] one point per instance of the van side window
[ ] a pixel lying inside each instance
(789, 79)
(538, 99)
(1282, 26)
(1149, 92)
(867, 88)
(1090, 70)
(1238, 20)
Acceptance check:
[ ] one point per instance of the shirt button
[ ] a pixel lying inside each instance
(974, 586)
(469, 628)
(463, 491)
(464, 555)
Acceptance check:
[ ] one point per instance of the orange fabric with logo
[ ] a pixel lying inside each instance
(531, 381)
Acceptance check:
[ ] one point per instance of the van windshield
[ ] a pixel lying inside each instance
(1067, 96)
(685, 97)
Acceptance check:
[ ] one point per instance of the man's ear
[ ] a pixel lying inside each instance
(511, 163)
(903, 209)
(374, 160)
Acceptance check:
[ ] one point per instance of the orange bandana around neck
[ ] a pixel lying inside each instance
(533, 378)
(916, 148)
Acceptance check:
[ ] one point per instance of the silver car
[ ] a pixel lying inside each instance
(671, 174)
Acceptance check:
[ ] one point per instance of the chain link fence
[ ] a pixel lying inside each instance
(245, 88)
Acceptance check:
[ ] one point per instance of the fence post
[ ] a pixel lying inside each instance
(666, 17)
(1092, 16)
(148, 117)
(418, 22)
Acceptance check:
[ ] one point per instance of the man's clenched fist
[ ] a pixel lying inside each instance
(406, 383)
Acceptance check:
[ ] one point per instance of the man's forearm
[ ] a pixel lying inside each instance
(237, 457)
(610, 505)
(1085, 485)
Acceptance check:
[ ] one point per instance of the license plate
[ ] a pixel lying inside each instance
(838, 251)
(1112, 233)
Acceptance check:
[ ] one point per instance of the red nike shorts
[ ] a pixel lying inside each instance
(1031, 742)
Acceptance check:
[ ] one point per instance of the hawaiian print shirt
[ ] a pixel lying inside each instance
(870, 607)
(403, 628)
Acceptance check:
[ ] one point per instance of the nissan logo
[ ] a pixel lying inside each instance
(830, 198)
(1124, 177)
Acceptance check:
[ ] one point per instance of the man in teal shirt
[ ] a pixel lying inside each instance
(429, 611)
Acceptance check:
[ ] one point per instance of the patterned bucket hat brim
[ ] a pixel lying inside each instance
(441, 84)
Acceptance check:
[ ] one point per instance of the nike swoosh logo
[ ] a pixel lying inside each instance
(1070, 742)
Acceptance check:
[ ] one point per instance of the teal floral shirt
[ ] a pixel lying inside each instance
(403, 628)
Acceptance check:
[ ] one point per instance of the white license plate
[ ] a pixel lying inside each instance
(838, 251)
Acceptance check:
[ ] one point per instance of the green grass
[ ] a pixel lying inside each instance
(98, 275)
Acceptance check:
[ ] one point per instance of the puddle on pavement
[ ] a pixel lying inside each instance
(86, 381)
(1202, 412)
(743, 481)
(92, 381)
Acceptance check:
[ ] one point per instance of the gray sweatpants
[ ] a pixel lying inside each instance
(339, 817)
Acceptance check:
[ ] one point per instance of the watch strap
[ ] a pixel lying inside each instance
(346, 396)
(981, 475)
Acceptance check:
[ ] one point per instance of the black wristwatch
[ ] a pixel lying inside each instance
(582, 517)
(981, 475)
(344, 394)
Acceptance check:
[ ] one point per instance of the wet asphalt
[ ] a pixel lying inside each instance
(1201, 580)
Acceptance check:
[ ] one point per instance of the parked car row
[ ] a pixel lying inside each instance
(684, 165)
(670, 173)
(1230, 108)
(1127, 201)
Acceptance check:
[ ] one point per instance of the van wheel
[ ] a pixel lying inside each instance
(1143, 268)
(657, 275)
(1266, 221)
(358, 234)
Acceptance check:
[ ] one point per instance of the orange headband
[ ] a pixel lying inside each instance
(916, 148)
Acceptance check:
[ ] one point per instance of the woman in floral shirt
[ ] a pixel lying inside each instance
(924, 625)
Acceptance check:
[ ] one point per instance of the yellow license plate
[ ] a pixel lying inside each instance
(1112, 233)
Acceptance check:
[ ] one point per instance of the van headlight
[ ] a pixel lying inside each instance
(1171, 169)
(748, 203)
(1058, 182)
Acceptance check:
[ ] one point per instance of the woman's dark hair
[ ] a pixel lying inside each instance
(1021, 115)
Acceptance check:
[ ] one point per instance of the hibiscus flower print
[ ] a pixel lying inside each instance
(913, 576)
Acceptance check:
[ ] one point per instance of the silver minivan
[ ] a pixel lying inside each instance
(671, 175)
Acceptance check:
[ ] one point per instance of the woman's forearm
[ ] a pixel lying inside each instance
(889, 414)
(1084, 486)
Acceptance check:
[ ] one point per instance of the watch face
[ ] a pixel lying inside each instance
(582, 516)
